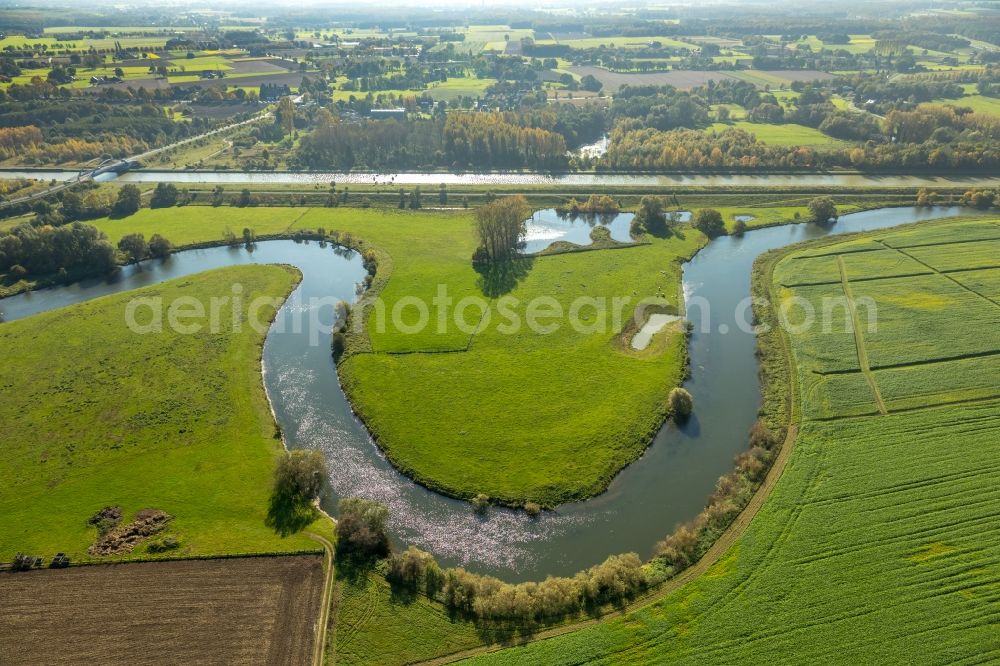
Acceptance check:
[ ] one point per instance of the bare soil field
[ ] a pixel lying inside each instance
(255, 610)
(684, 79)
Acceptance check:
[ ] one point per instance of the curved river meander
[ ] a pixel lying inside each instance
(669, 484)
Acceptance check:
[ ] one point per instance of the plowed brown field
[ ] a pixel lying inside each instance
(258, 610)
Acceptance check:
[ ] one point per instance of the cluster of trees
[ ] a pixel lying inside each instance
(738, 150)
(975, 198)
(136, 248)
(42, 128)
(594, 205)
(684, 149)
(500, 140)
(500, 227)
(462, 140)
(72, 250)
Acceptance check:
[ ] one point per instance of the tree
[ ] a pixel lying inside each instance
(415, 198)
(590, 83)
(284, 116)
(442, 194)
(159, 246)
(164, 196)
(709, 222)
(299, 475)
(822, 210)
(361, 528)
(681, 403)
(72, 206)
(134, 246)
(500, 226)
(650, 216)
(128, 201)
(739, 228)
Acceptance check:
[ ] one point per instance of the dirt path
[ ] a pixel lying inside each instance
(859, 338)
(323, 622)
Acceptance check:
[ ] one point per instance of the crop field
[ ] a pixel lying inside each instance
(256, 610)
(879, 542)
(97, 416)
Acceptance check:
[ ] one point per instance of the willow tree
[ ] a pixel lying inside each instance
(501, 226)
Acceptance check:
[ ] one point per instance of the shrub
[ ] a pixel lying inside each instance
(822, 210)
(739, 228)
(17, 271)
(600, 234)
(60, 561)
(480, 503)
(532, 508)
(681, 403)
(159, 246)
(134, 246)
(408, 569)
(24, 562)
(762, 436)
(361, 531)
(163, 544)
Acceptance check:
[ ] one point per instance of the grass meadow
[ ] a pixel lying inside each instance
(96, 415)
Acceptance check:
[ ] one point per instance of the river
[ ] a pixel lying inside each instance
(527, 178)
(669, 484)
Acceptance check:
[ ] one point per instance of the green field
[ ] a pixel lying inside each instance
(97, 415)
(376, 626)
(879, 543)
(788, 134)
(978, 103)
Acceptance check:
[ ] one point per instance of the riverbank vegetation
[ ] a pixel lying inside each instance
(93, 418)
